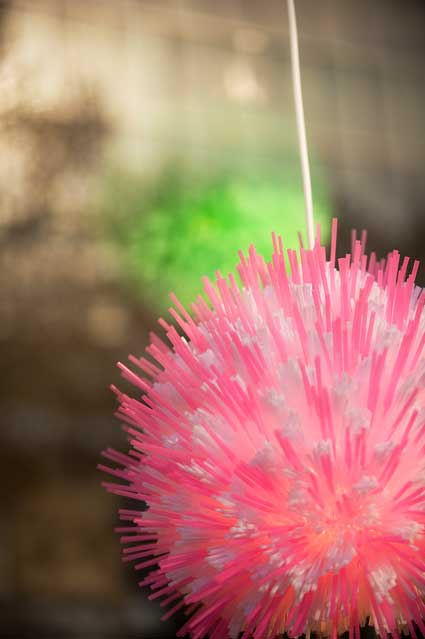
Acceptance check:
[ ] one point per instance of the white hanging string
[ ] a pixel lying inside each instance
(299, 112)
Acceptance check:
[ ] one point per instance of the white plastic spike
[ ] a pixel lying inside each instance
(299, 112)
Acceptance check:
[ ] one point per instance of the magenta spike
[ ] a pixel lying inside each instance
(280, 447)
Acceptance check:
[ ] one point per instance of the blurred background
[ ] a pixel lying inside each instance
(141, 144)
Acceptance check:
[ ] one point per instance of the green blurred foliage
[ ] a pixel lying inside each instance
(172, 230)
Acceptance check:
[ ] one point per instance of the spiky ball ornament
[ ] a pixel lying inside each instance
(280, 448)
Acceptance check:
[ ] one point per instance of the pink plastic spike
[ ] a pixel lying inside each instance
(280, 447)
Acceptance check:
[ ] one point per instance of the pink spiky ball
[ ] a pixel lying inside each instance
(280, 448)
